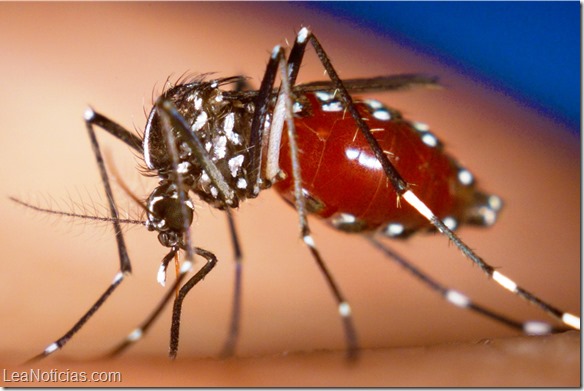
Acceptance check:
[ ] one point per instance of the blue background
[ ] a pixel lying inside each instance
(529, 50)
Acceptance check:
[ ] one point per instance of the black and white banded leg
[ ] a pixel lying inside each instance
(141, 330)
(459, 299)
(92, 118)
(283, 112)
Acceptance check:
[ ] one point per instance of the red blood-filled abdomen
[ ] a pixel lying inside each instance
(341, 175)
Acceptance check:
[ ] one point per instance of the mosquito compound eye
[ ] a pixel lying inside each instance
(172, 211)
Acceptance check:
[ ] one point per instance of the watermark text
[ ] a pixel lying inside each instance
(60, 376)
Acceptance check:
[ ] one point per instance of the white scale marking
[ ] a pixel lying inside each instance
(414, 201)
(430, 140)
(465, 177)
(334, 106)
(204, 177)
(200, 121)
(198, 103)
(229, 122)
(186, 267)
(536, 328)
(88, 114)
(374, 104)
(450, 222)
(505, 281)
(161, 275)
(489, 215)
(421, 127)
(495, 202)
(51, 348)
(135, 335)
(241, 183)
(117, 278)
(345, 218)
(571, 320)
(309, 241)
(394, 229)
(382, 115)
(235, 164)
(457, 298)
(183, 167)
(297, 107)
(323, 96)
(228, 125)
(220, 147)
(302, 35)
(344, 309)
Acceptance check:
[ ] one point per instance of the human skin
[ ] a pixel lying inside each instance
(61, 58)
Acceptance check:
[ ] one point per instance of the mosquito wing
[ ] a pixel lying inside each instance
(374, 84)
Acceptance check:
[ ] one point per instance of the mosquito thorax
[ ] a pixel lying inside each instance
(221, 120)
(166, 214)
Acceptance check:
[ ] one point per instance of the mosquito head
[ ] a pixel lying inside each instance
(167, 215)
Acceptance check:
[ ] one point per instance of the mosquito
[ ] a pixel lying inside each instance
(307, 141)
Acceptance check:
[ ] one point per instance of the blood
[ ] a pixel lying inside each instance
(340, 174)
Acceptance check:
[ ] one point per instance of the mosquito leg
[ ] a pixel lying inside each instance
(90, 117)
(568, 319)
(176, 311)
(170, 117)
(231, 342)
(258, 138)
(235, 318)
(93, 118)
(58, 344)
(284, 112)
(403, 189)
(173, 120)
(139, 332)
(116, 130)
(459, 299)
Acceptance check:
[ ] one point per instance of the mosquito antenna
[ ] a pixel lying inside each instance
(75, 215)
